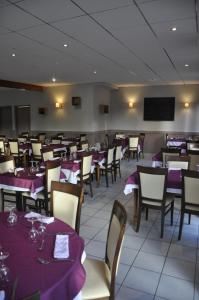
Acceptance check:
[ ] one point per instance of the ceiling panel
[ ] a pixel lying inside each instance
(161, 10)
(51, 10)
(101, 5)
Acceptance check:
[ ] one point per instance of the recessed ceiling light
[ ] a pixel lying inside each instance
(94, 72)
(186, 65)
(53, 79)
(173, 28)
(65, 45)
(13, 54)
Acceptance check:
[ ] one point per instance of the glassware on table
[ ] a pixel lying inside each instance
(33, 233)
(12, 218)
(42, 227)
(4, 270)
(32, 168)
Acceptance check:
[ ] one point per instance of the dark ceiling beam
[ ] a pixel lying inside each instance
(21, 85)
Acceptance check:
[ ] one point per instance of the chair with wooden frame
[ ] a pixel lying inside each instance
(84, 145)
(133, 146)
(101, 275)
(34, 296)
(181, 162)
(56, 140)
(168, 152)
(116, 160)
(141, 143)
(7, 164)
(190, 199)
(3, 137)
(42, 137)
(152, 193)
(22, 139)
(52, 173)
(85, 172)
(83, 137)
(2, 147)
(194, 159)
(36, 150)
(108, 165)
(14, 151)
(60, 135)
(25, 134)
(66, 202)
(72, 148)
(47, 155)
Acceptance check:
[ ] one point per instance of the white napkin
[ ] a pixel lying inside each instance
(2, 295)
(54, 158)
(19, 169)
(77, 161)
(40, 174)
(40, 218)
(101, 151)
(80, 150)
(61, 249)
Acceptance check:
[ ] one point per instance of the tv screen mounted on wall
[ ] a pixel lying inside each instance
(159, 109)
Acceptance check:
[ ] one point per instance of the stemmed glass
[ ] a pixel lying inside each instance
(12, 218)
(32, 168)
(41, 232)
(4, 270)
(33, 233)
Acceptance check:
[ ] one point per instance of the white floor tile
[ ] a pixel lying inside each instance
(155, 247)
(179, 268)
(149, 262)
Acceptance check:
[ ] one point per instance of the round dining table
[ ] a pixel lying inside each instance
(58, 280)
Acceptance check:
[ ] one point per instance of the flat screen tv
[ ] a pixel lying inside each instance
(159, 109)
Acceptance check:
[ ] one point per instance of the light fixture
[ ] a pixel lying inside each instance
(131, 104)
(65, 45)
(53, 79)
(59, 105)
(173, 28)
(94, 72)
(186, 105)
(186, 65)
(13, 54)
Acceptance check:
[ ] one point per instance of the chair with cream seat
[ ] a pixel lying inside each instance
(167, 153)
(36, 150)
(14, 151)
(116, 160)
(83, 137)
(47, 155)
(42, 137)
(152, 193)
(84, 145)
(181, 162)
(22, 139)
(190, 199)
(52, 173)
(56, 140)
(72, 148)
(108, 166)
(85, 172)
(66, 202)
(194, 159)
(2, 147)
(25, 134)
(101, 275)
(133, 146)
(7, 164)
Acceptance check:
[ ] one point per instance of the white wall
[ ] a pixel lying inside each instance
(123, 118)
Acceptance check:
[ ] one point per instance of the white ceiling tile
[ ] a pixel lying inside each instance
(161, 10)
(101, 5)
(14, 18)
(51, 10)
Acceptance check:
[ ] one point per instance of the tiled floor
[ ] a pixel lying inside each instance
(150, 267)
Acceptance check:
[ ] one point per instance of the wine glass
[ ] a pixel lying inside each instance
(12, 218)
(33, 233)
(4, 270)
(42, 227)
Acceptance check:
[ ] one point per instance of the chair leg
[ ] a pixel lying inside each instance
(119, 170)
(91, 189)
(112, 174)
(181, 225)
(162, 224)
(138, 218)
(172, 209)
(147, 213)
(2, 197)
(115, 172)
(106, 175)
(189, 221)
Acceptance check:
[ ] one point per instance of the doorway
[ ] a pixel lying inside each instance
(22, 118)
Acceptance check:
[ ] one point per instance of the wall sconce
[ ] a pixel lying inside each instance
(186, 105)
(131, 104)
(59, 105)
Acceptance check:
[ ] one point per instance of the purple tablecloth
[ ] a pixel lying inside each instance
(58, 280)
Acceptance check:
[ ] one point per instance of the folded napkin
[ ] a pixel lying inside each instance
(40, 218)
(101, 151)
(80, 150)
(61, 249)
(39, 174)
(77, 161)
(19, 169)
(2, 295)
(175, 169)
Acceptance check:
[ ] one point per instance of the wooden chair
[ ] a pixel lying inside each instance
(52, 173)
(168, 152)
(6, 165)
(83, 137)
(2, 147)
(175, 162)
(41, 137)
(47, 155)
(194, 159)
(14, 151)
(22, 139)
(56, 140)
(108, 165)
(84, 145)
(66, 202)
(190, 198)
(85, 173)
(60, 135)
(119, 135)
(36, 150)
(101, 275)
(141, 143)
(25, 134)
(116, 160)
(133, 146)
(35, 296)
(72, 148)
(152, 193)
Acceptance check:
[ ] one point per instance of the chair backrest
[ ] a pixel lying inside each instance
(7, 164)
(22, 139)
(86, 162)
(42, 137)
(152, 183)
(2, 146)
(33, 139)
(47, 155)
(2, 137)
(56, 140)
(25, 134)
(35, 296)
(114, 241)
(60, 135)
(190, 187)
(167, 152)
(83, 137)
(119, 135)
(110, 155)
(84, 146)
(53, 169)
(66, 202)
(14, 146)
(118, 151)
(181, 162)
(193, 145)
(133, 141)
(194, 159)
(36, 148)
(72, 148)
